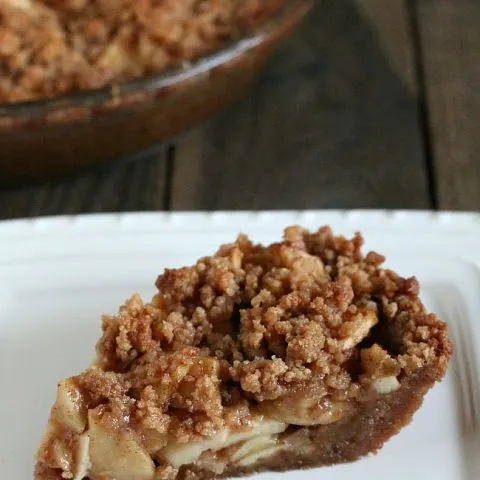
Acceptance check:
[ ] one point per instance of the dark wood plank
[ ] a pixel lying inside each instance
(449, 34)
(330, 123)
(391, 23)
(133, 186)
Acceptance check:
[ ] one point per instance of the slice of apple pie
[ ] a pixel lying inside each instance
(300, 354)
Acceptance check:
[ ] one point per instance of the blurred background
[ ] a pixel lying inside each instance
(368, 104)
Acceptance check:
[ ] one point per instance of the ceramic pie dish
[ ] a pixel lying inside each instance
(47, 137)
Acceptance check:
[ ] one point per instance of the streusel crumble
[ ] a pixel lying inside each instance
(51, 47)
(302, 353)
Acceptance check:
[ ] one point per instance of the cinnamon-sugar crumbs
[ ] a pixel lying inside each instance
(52, 47)
(253, 323)
(377, 362)
(166, 472)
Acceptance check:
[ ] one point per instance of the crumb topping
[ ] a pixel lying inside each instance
(252, 323)
(50, 47)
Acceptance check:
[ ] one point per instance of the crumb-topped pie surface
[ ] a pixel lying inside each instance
(52, 47)
(299, 354)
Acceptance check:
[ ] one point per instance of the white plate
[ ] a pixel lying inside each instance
(59, 275)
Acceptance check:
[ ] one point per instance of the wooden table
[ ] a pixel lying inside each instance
(372, 104)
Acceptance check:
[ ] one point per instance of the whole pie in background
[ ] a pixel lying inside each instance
(301, 354)
(53, 47)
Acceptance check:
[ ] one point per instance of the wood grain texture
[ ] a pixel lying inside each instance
(449, 35)
(133, 186)
(329, 124)
(391, 23)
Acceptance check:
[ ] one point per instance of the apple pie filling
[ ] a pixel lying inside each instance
(238, 359)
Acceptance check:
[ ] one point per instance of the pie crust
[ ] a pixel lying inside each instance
(301, 354)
